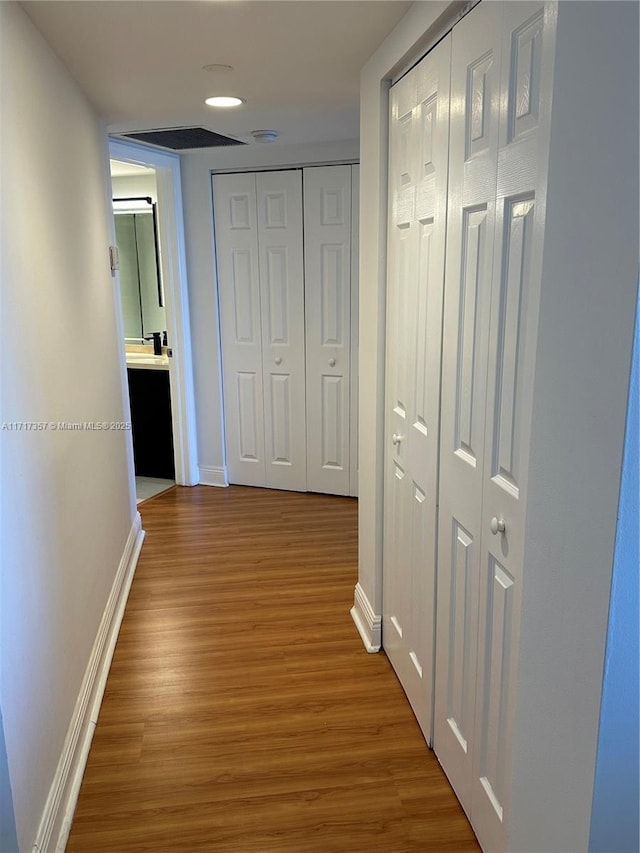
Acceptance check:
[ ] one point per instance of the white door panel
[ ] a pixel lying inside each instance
(279, 205)
(490, 322)
(475, 82)
(512, 343)
(327, 217)
(417, 228)
(240, 312)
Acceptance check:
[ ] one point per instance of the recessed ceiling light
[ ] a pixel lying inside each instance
(224, 101)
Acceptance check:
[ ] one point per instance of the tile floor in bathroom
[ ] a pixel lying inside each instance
(147, 487)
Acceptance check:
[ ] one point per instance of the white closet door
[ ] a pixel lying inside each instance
(417, 229)
(327, 244)
(475, 85)
(517, 262)
(239, 299)
(494, 251)
(355, 291)
(279, 201)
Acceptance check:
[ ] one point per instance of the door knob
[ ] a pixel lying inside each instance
(332, 362)
(278, 359)
(497, 525)
(396, 439)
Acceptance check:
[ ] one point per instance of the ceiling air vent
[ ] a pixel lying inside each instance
(182, 138)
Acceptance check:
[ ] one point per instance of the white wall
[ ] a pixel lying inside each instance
(198, 214)
(133, 186)
(67, 505)
(8, 839)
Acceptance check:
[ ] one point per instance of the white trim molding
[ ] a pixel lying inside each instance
(368, 623)
(212, 476)
(55, 823)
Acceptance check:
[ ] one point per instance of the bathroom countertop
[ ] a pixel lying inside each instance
(143, 361)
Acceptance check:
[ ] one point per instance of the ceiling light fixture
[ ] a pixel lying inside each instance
(218, 68)
(264, 135)
(224, 101)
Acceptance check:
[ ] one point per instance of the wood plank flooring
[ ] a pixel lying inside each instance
(242, 713)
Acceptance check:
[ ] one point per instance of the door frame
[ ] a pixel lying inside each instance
(174, 277)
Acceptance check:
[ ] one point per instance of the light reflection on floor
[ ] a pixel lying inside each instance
(147, 487)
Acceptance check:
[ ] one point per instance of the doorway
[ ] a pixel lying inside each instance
(156, 346)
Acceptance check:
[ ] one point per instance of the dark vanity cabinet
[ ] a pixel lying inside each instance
(151, 422)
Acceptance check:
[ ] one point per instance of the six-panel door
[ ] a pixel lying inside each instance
(327, 250)
(493, 261)
(281, 269)
(236, 229)
(417, 229)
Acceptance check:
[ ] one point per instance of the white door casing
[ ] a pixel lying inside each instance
(174, 278)
(355, 290)
(417, 229)
(327, 251)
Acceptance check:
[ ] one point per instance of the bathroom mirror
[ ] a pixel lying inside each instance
(141, 291)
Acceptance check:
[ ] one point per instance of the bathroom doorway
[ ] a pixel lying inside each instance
(142, 302)
(148, 231)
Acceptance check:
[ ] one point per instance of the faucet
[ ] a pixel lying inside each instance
(157, 342)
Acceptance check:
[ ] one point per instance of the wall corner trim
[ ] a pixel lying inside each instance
(368, 623)
(60, 805)
(212, 476)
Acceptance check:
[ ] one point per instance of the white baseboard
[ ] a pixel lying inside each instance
(55, 823)
(369, 624)
(210, 476)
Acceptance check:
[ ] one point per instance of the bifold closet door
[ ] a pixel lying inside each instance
(419, 135)
(501, 79)
(258, 224)
(475, 83)
(327, 249)
(279, 199)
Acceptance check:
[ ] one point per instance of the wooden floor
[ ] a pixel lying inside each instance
(242, 713)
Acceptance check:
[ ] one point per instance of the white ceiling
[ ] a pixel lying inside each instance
(296, 63)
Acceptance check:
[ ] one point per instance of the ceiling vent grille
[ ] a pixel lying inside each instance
(183, 138)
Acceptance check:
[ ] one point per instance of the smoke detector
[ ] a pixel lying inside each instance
(264, 135)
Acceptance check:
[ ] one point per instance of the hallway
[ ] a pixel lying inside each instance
(241, 712)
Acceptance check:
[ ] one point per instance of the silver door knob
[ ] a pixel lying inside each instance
(332, 362)
(396, 439)
(497, 525)
(278, 359)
